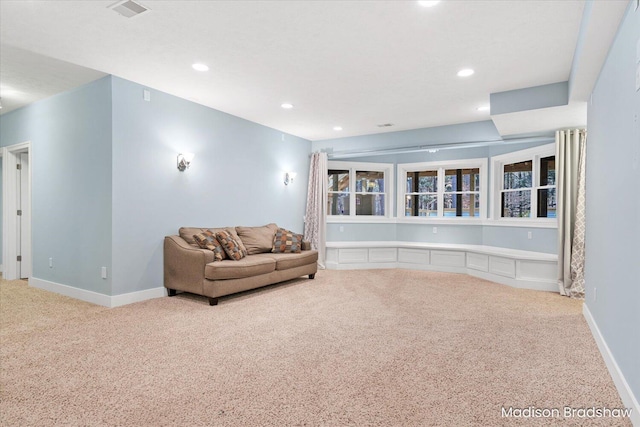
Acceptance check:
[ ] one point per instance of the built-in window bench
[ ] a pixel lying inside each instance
(520, 269)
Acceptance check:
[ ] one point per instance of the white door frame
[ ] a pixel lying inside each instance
(10, 236)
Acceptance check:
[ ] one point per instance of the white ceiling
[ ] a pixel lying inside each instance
(354, 64)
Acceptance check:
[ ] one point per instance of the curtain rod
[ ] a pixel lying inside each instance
(433, 148)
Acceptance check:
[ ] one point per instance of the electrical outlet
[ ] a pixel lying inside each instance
(51, 262)
(435, 230)
(529, 235)
(104, 272)
(341, 229)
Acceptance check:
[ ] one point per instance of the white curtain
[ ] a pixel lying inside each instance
(315, 228)
(570, 175)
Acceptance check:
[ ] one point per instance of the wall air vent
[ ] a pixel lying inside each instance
(128, 8)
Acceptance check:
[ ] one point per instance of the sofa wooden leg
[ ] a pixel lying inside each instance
(213, 301)
(312, 276)
(172, 292)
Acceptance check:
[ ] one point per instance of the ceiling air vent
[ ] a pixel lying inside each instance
(385, 125)
(128, 8)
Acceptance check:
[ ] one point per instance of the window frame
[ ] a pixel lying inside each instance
(497, 182)
(441, 167)
(353, 167)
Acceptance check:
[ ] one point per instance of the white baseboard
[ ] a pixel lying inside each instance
(96, 298)
(70, 291)
(627, 396)
(131, 297)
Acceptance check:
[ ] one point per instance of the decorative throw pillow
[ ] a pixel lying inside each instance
(286, 241)
(207, 240)
(230, 245)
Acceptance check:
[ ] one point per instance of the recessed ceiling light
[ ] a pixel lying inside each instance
(287, 106)
(200, 67)
(483, 108)
(128, 8)
(466, 72)
(430, 3)
(337, 128)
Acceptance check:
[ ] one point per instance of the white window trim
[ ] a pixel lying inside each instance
(497, 164)
(403, 168)
(387, 169)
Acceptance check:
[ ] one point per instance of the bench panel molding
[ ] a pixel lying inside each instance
(517, 268)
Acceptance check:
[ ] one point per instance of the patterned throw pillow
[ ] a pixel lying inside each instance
(230, 245)
(207, 240)
(286, 241)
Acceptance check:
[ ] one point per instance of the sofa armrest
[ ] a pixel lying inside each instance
(184, 265)
(306, 246)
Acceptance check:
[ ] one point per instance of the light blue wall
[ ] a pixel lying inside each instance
(466, 132)
(530, 98)
(467, 234)
(70, 138)
(360, 232)
(106, 189)
(543, 240)
(577, 54)
(613, 205)
(236, 177)
(1, 211)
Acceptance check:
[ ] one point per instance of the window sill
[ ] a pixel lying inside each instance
(522, 223)
(437, 220)
(344, 219)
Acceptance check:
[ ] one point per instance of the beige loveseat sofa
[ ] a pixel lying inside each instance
(189, 268)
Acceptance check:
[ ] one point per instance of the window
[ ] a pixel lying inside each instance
(526, 183)
(442, 189)
(359, 189)
(338, 190)
(422, 193)
(462, 192)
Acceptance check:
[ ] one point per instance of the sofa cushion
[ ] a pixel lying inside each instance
(246, 267)
(207, 240)
(257, 240)
(286, 261)
(231, 245)
(187, 234)
(286, 241)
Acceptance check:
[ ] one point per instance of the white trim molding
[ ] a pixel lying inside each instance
(138, 296)
(626, 395)
(444, 221)
(353, 167)
(440, 167)
(9, 207)
(497, 163)
(516, 268)
(95, 297)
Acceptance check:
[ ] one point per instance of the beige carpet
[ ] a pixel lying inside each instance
(350, 348)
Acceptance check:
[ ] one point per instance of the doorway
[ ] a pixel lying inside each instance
(16, 211)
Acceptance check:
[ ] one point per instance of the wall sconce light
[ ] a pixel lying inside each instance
(184, 160)
(288, 177)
